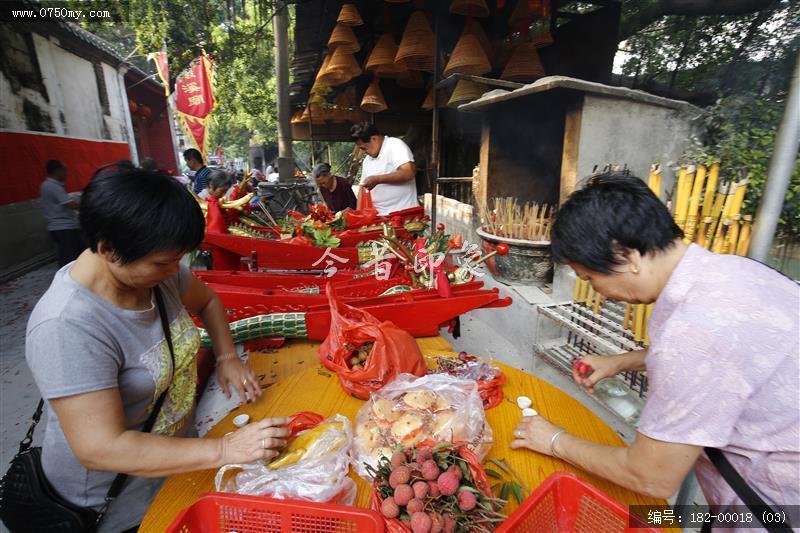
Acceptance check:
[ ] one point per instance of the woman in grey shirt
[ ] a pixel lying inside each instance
(97, 350)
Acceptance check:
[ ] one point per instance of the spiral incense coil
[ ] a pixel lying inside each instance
(470, 8)
(468, 57)
(342, 36)
(349, 16)
(466, 91)
(474, 27)
(381, 59)
(441, 100)
(417, 45)
(342, 68)
(524, 64)
(373, 101)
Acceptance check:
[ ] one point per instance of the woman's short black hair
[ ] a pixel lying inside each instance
(613, 211)
(363, 131)
(136, 212)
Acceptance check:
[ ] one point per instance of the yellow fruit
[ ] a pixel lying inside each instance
(297, 449)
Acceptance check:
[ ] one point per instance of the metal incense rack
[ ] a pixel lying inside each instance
(598, 331)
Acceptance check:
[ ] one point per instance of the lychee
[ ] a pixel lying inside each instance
(421, 489)
(414, 506)
(420, 523)
(398, 459)
(403, 494)
(448, 483)
(399, 476)
(389, 508)
(455, 469)
(424, 454)
(449, 524)
(434, 486)
(467, 500)
(430, 470)
(437, 522)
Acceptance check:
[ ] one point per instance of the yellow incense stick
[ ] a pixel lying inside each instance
(702, 240)
(680, 194)
(720, 238)
(648, 310)
(638, 322)
(584, 287)
(738, 198)
(589, 296)
(627, 319)
(743, 243)
(733, 235)
(654, 179)
(711, 188)
(596, 307)
(577, 289)
(694, 203)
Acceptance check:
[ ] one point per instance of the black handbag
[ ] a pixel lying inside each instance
(29, 503)
(749, 497)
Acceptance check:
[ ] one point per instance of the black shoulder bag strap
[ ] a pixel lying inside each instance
(119, 481)
(749, 497)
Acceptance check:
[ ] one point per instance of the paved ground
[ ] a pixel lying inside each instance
(18, 394)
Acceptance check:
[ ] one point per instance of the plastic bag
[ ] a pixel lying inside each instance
(364, 199)
(394, 350)
(410, 410)
(490, 378)
(360, 217)
(319, 475)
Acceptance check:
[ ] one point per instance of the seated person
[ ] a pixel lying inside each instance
(335, 190)
(219, 182)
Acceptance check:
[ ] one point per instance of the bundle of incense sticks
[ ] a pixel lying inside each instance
(707, 209)
(507, 218)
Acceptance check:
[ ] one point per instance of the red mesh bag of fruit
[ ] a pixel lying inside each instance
(366, 353)
(434, 487)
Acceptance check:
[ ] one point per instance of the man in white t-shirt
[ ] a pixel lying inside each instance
(387, 171)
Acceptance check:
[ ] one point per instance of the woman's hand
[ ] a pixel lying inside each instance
(234, 375)
(259, 441)
(601, 367)
(534, 433)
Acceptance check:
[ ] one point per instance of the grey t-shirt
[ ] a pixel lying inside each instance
(54, 200)
(76, 343)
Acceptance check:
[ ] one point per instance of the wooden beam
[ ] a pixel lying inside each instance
(570, 153)
(492, 82)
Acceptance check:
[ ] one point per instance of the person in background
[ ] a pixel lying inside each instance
(335, 190)
(149, 164)
(219, 182)
(98, 351)
(387, 171)
(59, 211)
(194, 160)
(722, 365)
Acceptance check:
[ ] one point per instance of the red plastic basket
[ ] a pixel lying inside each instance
(217, 512)
(565, 503)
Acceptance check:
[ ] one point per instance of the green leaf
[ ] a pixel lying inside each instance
(517, 492)
(499, 465)
(493, 473)
(504, 491)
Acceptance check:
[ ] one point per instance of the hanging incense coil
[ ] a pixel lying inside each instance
(524, 64)
(326, 61)
(349, 16)
(342, 36)
(470, 8)
(468, 57)
(304, 116)
(411, 79)
(297, 117)
(474, 27)
(383, 53)
(328, 76)
(394, 70)
(342, 68)
(418, 43)
(466, 91)
(441, 100)
(373, 101)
